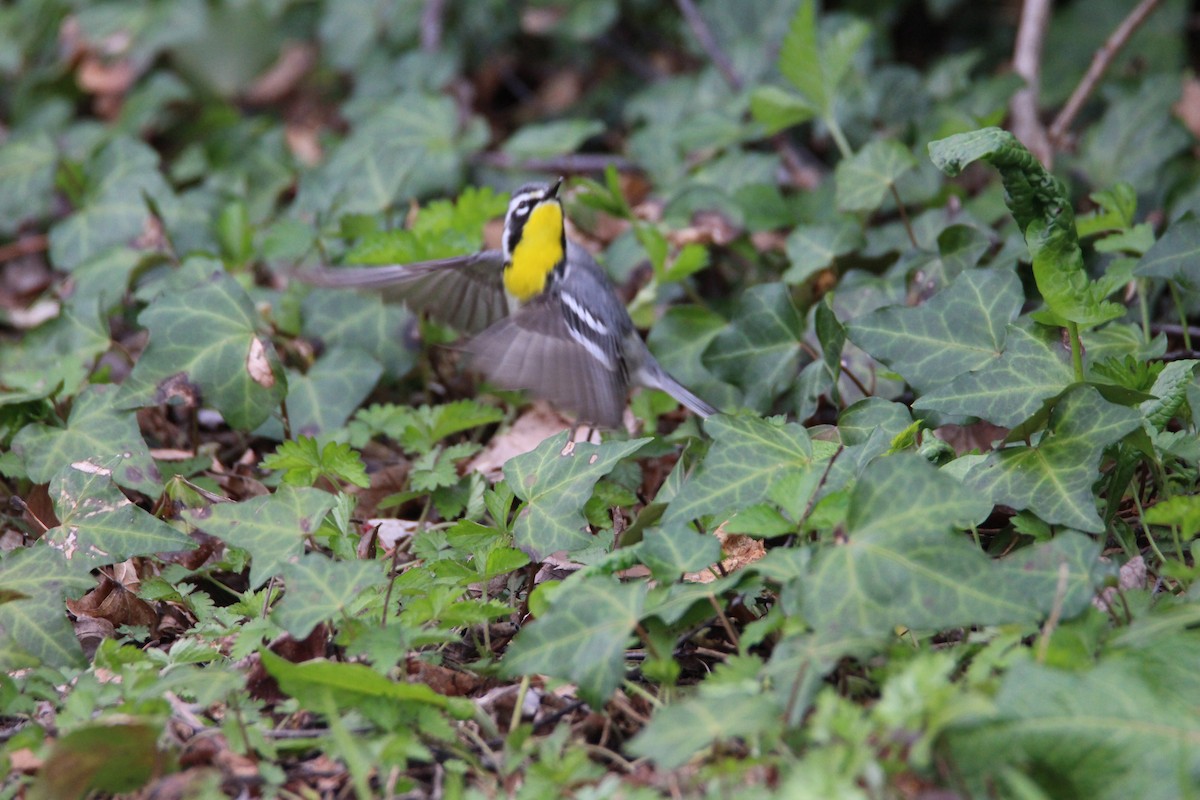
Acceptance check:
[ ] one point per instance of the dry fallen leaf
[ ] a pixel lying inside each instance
(259, 365)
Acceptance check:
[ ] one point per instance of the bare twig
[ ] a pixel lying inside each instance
(431, 25)
(27, 245)
(1027, 62)
(704, 36)
(1100, 63)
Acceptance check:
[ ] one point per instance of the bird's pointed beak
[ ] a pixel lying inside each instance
(554, 188)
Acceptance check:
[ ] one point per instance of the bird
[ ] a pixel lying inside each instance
(541, 315)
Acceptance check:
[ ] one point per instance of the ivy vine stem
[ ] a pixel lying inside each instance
(1076, 350)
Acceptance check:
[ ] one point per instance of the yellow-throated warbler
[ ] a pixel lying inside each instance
(542, 314)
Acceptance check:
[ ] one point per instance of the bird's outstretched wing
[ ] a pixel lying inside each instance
(464, 292)
(534, 349)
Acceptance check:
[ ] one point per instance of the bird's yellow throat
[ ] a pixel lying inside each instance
(539, 251)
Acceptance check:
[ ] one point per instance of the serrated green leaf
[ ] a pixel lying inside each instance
(582, 638)
(679, 731)
(800, 57)
(1054, 476)
(304, 461)
(97, 431)
(321, 400)
(556, 480)
(760, 350)
(811, 248)
(357, 320)
(747, 456)
(902, 564)
(353, 685)
(1013, 386)
(961, 329)
(1100, 733)
(35, 630)
(864, 179)
(320, 589)
(272, 528)
(1174, 256)
(207, 339)
(441, 229)
(98, 525)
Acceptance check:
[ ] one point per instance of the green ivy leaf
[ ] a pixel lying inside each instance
(1103, 732)
(98, 524)
(1054, 476)
(1173, 257)
(26, 179)
(582, 638)
(812, 248)
(114, 208)
(546, 139)
(902, 563)
(321, 589)
(679, 340)
(97, 431)
(680, 730)
(760, 349)
(345, 319)
(961, 329)
(864, 179)
(321, 400)
(205, 339)
(410, 146)
(272, 528)
(556, 481)
(747, 457)
(673, 550)
(1013, 386)
(34, 629)
(1170, 392)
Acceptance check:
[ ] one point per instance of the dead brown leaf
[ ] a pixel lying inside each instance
(530, 430)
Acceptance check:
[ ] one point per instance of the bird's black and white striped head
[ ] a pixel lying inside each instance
(520, 207)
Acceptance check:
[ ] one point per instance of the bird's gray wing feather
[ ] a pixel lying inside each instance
(464, 292)
(534, 350)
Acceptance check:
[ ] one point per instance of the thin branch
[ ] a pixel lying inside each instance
(1100, 63)
(704, 36)
(25, 246)
(1027, 62)
(431, 25)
